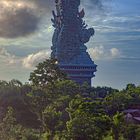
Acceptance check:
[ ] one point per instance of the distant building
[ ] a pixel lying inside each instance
(133, 114)
(68, 42)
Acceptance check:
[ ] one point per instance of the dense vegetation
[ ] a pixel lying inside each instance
(51, 107)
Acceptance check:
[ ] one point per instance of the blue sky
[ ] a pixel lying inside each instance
(115, 48)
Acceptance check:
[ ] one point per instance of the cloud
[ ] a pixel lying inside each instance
(27, 62)
(100, 53)
(19, 18)
(30, 61)
(4, 53)
(96, 9)
(33, 59)
(6, 57)
(15, 25)
(115, 53)
(97, 52)
(46, 5)
(93, 4)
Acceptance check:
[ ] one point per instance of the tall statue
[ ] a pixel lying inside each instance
(71, 32)
(68, 42)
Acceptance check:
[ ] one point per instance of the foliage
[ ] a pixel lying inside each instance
(116, 102)
(11, 130)
(117, 125)
(55, 108)
(87, 121)
(46, 72)
(8, 128)
(64, 112)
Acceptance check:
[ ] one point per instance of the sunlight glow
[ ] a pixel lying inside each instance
(15, 4)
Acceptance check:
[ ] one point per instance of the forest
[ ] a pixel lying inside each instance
(52, 107)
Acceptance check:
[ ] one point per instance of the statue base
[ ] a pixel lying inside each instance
(81, 69)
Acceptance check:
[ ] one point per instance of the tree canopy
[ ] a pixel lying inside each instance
(46, 72)
(52, 107)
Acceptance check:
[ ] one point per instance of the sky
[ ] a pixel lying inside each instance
(26, 31)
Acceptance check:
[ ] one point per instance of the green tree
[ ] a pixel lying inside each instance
(131, 132)
(37, 100)
(117, 125)
(130, 87)
(7, 126)
(49, 102)
(10, 129)
(87, 120)
(116, 102)
(52, 121)
(46, 72)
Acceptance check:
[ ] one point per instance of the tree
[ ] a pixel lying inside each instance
(130, 87)
(131, 132)
(87, 121)
(117, 125)
(52, 121)
(50, 101)
(116, 102)
(10, 129)
(15, 82)
(46, 72)
(37, 100)
(66, 87)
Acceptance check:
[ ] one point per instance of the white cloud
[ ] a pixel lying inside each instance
(27, 62)
(97, 52)
(115, 52)
(6, 57)
(100, 53)
(30, 61)
(4, 53)
(33, 59)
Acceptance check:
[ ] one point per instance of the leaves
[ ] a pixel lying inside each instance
(46, 72)
(57, 108)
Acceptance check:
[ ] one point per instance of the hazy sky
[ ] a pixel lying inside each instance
(26, 31)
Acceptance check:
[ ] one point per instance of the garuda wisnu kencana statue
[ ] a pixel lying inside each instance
(71, 32)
